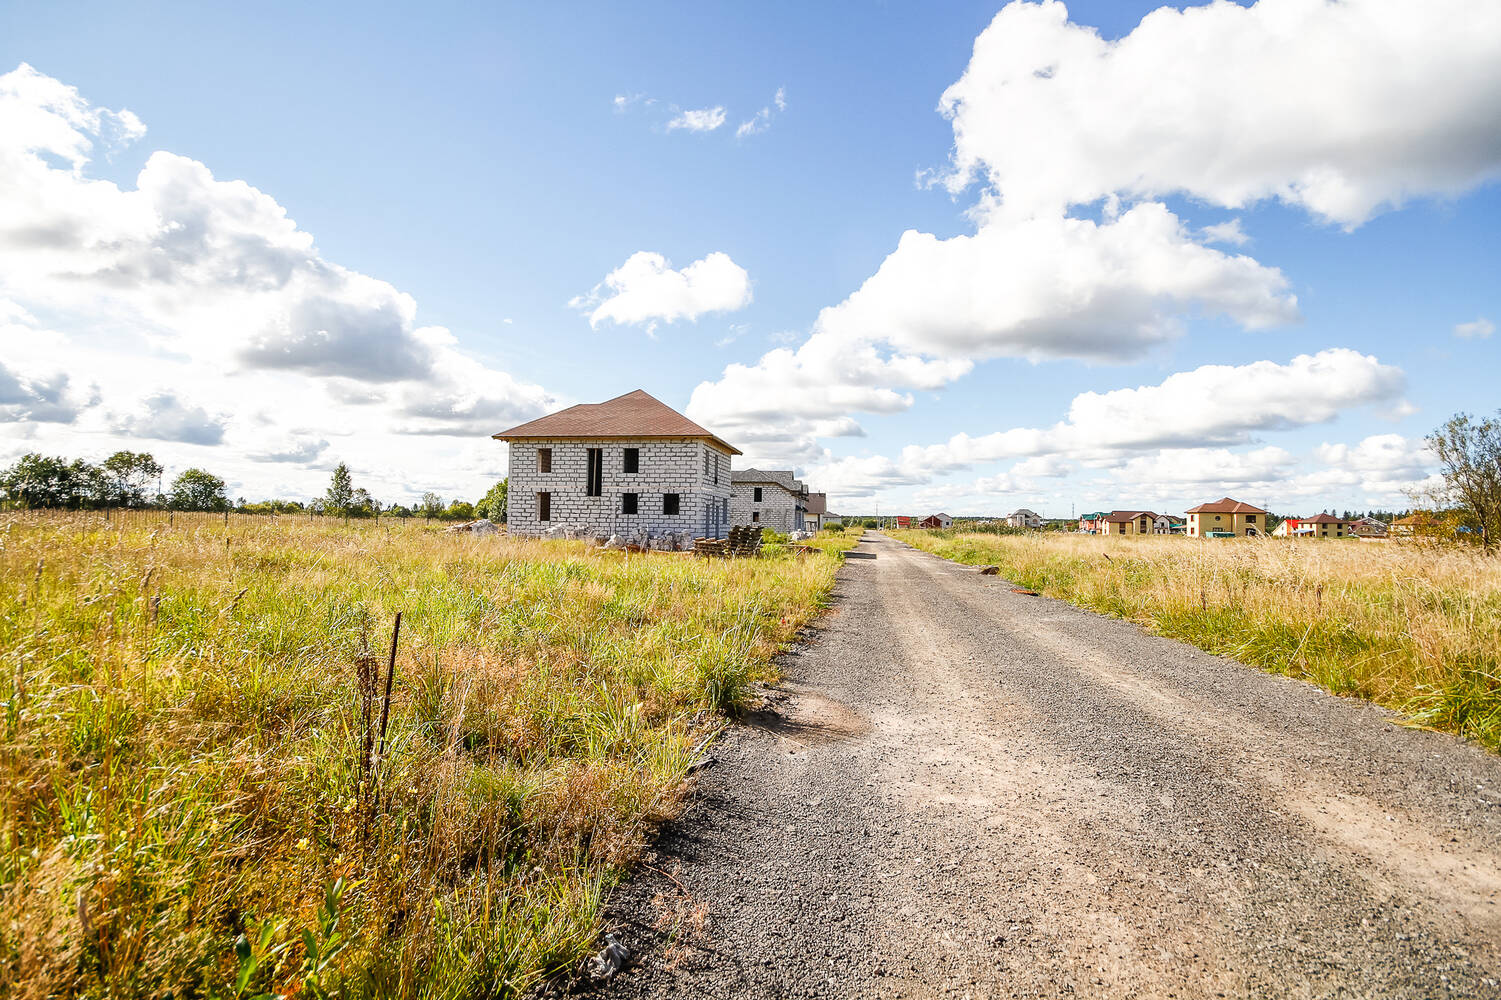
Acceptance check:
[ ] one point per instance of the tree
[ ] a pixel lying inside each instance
(493, 503)
(362, 504)
(37, 480)
(459, 510)
(128, 476)
(1469, 457)
(431, 505)
(196, 489)
(340, 495)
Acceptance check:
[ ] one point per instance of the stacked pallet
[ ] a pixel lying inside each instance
(745, 540)
(715, 548)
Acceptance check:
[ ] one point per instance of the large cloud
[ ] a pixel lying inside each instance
(1056, 287)
(165, 416)
(1340, 108)
(207, 286)
(1213, 405)
(646, 289)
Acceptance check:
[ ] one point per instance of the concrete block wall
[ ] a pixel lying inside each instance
(778, 506)
(695, 470)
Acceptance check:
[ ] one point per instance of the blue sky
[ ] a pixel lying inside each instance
(474, 172)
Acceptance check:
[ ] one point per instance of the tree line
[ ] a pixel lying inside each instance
(133, 481)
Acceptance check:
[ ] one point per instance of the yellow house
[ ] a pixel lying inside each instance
(1128, 522)
(1226, 517)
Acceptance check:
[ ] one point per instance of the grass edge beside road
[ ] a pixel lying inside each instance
(1413, 628)
(181, 717)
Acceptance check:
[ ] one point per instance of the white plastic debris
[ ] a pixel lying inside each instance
(609, 960)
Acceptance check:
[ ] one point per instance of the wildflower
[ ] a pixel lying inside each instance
(302, 844)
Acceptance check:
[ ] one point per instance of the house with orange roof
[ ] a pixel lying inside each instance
(1226, 518)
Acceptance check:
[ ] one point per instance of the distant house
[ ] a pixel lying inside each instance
(1128, 522)
(1418, 523)
(1167, 524)
(1368, 527)
(1024, 518)
(629, 463)
(817, 515)
(1225, 518)
(772, 498)
(1092, 524)
(1317, 526)
(939, 520)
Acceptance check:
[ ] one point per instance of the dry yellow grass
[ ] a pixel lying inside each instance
(1413, 626)
(184, 812)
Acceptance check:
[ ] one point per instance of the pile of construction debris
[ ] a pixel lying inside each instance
(484, 526)
(640, 540)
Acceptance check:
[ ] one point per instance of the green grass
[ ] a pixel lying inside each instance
(183, 720)
(1415, 627)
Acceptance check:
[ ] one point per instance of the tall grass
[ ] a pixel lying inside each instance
(1412, 626)
(185, 714)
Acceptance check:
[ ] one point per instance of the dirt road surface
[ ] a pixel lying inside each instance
(963, 791)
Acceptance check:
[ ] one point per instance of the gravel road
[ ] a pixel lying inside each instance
(963, 791)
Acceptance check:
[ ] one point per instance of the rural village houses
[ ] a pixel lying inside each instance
(1225, 518)
(818, 516)
(1128, 522)
(770, 498)
(939, 520)
(626, 465)
(1024, 518)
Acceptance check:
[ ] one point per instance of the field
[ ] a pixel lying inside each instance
(207, 793)
(1415, 627)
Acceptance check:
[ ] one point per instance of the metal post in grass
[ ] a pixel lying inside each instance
(385, 714)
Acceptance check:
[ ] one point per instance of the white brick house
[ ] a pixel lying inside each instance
(771, 498)
(627, 464)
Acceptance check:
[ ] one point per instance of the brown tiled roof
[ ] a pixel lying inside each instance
(634, 415)
(781, 477)
(1122, 516)
(1322, 519)
(1225, 506)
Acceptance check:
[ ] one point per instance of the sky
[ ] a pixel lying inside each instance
(963, 257)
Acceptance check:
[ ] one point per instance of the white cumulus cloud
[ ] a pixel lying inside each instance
(208, 287)
(646, 290)
(1341, 108)
(698, 120)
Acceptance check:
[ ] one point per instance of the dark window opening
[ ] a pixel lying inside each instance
(595, 485)
(544, 506)
(628, 503)
(1250, 518)
(716, 470)
(669, 503)
(544, 459)
(706, 461)
(757, 497)
(755, 515)
(633, 460)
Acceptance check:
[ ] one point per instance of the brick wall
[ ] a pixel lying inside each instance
(686, 467)
(778, 506)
